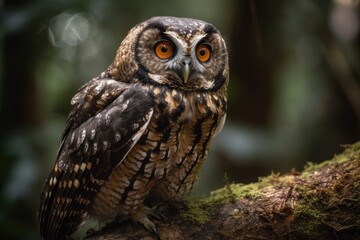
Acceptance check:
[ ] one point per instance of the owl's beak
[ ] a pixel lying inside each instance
(186, 63)
(186, 72)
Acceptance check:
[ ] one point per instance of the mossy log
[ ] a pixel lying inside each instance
(322, 202)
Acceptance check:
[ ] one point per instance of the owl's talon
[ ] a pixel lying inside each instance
(154, 231)
(149, 225)
(161, 217)
(158, 213)
(141, 216)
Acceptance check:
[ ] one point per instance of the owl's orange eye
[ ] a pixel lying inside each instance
(203, 52)
(164, 49)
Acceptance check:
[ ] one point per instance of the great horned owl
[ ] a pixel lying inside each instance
(141, 129)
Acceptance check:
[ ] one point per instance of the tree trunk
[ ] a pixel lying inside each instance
(322, 202)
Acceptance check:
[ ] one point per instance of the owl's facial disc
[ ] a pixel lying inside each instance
(182, 54)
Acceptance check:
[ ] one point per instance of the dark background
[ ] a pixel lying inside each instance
(294, 93)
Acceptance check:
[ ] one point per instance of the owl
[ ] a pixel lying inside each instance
(141, 130)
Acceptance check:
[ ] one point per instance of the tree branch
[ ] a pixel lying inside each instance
(322, 202)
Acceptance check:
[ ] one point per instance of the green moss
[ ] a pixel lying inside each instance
(239, 191)
(309, 213)
(306, 221)
(353, 147)
(200, 210)
(351, 152)
(233, 191)
(196, 212)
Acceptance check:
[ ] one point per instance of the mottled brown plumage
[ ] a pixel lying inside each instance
(140, 130)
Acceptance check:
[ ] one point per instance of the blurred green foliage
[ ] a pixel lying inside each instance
(293, 97)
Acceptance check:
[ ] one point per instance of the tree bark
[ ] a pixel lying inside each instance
(322, 202)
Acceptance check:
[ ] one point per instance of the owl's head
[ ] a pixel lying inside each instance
(181, 53)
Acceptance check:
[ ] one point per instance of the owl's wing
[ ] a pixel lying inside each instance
(107, 119)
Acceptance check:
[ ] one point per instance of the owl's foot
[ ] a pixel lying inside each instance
(142, 214)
